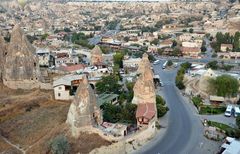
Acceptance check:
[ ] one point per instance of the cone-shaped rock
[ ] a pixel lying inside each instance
(144, 90)
(96, 55)
(21, 69)
(144, 63)
(83, 113)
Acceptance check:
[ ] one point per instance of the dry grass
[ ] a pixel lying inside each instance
(32, 118)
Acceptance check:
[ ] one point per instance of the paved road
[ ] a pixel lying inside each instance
(96, 39)
(184, 132)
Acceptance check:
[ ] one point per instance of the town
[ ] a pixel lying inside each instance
(106, 77)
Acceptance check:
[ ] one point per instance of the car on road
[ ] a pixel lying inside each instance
(156, 62)
(236, 111)
(229, 111)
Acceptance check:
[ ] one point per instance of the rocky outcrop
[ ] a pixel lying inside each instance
(21, 69)
(83, 113)
(144, 89)
(204, 80)
(96, 56)
(145, 63)
(3, 52)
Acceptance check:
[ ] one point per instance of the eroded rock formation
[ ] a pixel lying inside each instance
(83, 113)
(143, 64)
(21, 69)
(204, 80)
(96, 56)
(3, 52)
(144, 89)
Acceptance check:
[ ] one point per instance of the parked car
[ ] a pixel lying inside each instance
(156, 62)
(228, 111)
(236, 111)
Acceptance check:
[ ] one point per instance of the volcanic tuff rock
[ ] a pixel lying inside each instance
(83, 113)
(96, 55)
(21, 69)
(3, 51)
(204, 80)
(144, 63)
(144, 89)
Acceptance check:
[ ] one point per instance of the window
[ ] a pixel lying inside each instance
(34, 64)
(59, 94)
(59, 88)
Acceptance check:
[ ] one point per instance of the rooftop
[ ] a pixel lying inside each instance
(146, 110)
(66, 80)
(102, 98)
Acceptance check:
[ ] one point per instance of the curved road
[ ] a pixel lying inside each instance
(184, 130)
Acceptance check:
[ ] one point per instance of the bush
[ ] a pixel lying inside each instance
(180, 75)
(209, 109)
(218, 86)
(161, 106)
(238, 121)
(197, 101)
(59, 145)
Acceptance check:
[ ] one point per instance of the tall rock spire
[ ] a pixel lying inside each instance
(83, 113)
(21, 69)
(144, 89)
(96, 55)
(144, 63)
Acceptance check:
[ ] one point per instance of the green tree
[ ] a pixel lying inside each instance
(169, 63)
(213, 65)
(118, 59)
(191, 30)
(218, 86)
(126, 38)
(59, 145)
(238, 121)
(236, 44)
(108, 84)
(161, 106)
(44, 36)
(155, 42)
(151, 58)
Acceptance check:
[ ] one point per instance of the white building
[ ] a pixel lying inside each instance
(231, 146)
(131, 62)
(43, 57)
(66, 86)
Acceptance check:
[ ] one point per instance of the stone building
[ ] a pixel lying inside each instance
(96, 56)
(83, 113)
(21, 68)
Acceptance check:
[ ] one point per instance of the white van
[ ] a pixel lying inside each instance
(156, 62)
(228, 111)
(236, 111)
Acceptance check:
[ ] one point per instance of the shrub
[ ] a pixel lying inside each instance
(238, 121)
(197, 101)
(161, 106)
(209, 109)
(59, 145)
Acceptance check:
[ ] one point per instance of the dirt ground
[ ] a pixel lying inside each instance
(30, 119)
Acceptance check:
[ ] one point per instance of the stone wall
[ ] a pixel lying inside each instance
(27, 84)
(129, 144)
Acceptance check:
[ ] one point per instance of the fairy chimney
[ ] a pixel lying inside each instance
(144, 89)
(21, 69)
(96, 56)
(83, 113)
(144, 63)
